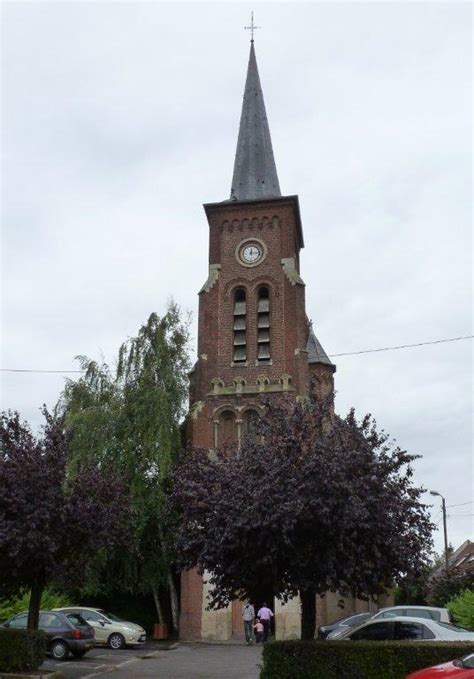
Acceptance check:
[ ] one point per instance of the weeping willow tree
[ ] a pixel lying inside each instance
(128, 419)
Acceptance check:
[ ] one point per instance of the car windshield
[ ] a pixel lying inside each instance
(111, 616)
(468, 661)
(336, 622)
(454, 628)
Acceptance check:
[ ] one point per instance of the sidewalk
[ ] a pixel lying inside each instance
(195, 661)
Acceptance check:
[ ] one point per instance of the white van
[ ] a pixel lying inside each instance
(427, 612)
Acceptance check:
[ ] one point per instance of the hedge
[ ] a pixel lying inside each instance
(355, 659)
(21, 650)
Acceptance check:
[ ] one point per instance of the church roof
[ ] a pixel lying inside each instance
(255, 175)
(316, 353)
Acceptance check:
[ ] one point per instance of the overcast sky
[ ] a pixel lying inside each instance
(121, 119)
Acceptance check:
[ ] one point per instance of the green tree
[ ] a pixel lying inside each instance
(461, 608)
(130, 418)
(49, 600)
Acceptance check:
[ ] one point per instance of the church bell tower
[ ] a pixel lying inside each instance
(254, 338)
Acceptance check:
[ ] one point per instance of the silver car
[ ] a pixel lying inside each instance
(108, 628)
(403, 628)
(428, 612)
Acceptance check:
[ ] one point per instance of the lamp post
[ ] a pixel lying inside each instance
(443, 506)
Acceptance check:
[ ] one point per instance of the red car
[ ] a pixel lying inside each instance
(458, 669)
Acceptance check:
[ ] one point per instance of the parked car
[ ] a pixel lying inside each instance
(458, 669)
(341, 625)
(108, 628)
(66, 632)
(403, 628)
(428, 612)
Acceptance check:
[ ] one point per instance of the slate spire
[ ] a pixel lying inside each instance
(255, 174)
(316, 353)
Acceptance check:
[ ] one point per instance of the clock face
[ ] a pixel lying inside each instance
(251, 253)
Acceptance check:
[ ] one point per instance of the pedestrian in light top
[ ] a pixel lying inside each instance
(258, 627)
(265, 615)
(248, 614)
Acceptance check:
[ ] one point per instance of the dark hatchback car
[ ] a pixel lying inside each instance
(66, 633)
(342, 624)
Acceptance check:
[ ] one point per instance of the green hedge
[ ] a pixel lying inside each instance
(21, 650)
(355, 659)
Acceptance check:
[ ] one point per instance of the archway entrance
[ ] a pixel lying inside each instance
(264, 595)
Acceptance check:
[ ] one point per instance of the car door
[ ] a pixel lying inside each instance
(53, 626)
(374, 631)
(96, 621)
(411, 631)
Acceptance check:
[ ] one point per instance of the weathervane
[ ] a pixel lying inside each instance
(252, 27)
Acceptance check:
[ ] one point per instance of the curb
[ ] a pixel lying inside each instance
(44, 674)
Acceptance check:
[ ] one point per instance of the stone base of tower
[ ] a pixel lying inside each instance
(199, 624)
(190, 622)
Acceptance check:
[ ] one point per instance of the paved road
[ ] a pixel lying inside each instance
(183, 661)
(100, 660)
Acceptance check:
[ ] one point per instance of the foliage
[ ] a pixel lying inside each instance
(21, 650)
(137, 608)
(130, 418)
(317, 503)
(355, 660)
(461, 608)
(49, 520)
(446, 584)
(414, 589)
(49, 600)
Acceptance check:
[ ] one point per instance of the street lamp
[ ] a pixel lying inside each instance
(443, 505)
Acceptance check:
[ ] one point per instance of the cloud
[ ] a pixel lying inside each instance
(121, 119)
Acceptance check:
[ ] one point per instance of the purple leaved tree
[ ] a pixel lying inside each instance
(314, 503)
(50, 520)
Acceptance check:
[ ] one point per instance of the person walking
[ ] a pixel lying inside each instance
(258, 627)
(248, 615)
(265, 615)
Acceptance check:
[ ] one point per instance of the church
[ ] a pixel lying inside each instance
(254, 339)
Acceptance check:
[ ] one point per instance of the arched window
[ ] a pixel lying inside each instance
(263, 325)
(227, 429)
(240, 326)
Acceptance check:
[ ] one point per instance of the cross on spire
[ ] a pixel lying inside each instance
(252, 27)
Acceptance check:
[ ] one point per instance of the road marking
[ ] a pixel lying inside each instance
(111, 668)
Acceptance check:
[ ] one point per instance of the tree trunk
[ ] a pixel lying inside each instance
(308, 613)
(35, 604)
(159, 608)
(174, 601)
(171, 586)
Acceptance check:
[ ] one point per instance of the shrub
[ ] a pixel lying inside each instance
(21, 650)
(447, 584)
(461, 608)
(355, 659)
(49, 600)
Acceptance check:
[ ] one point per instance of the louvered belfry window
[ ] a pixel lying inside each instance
(240, 326)
(263, 325)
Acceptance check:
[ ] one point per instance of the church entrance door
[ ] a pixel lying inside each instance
(265, 596)
(237, 622)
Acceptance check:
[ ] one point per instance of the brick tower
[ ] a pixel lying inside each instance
(254, 339)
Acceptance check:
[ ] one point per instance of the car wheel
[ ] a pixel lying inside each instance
(59, 650)
(116, 641)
